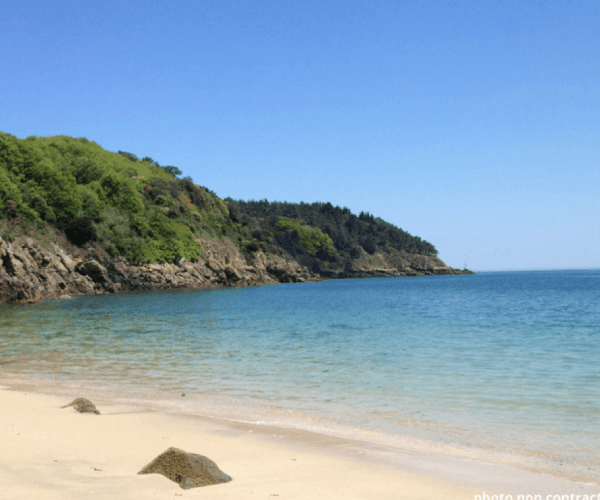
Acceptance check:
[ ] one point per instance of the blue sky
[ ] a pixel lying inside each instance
(473, 124)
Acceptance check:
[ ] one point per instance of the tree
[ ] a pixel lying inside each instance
(129, 156)
(174, 171)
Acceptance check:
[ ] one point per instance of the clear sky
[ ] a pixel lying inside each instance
(473, 124)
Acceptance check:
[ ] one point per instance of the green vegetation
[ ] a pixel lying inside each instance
(312, 240)
(145, 212)
(347, 234)
(133, 208)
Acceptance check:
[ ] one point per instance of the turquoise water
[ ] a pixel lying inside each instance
(500, 366)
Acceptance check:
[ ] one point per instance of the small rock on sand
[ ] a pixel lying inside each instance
(83, 405)
(189, 470)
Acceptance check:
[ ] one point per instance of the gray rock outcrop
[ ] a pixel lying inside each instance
(397, 264)
(31, 271)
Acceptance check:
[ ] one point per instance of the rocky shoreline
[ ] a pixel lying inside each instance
(32, 271)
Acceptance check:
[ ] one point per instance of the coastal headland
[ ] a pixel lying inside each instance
(78, 219)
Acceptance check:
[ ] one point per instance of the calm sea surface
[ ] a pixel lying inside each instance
(500, 366)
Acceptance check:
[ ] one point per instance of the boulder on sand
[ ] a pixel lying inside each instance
(83, 405)
(189, 470)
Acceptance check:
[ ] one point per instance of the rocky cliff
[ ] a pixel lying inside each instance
(31, 270)
(396, 264)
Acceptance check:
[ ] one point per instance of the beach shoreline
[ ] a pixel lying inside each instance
(68, 453)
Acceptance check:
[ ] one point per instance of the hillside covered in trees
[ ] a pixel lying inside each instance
(345, 236)
(134, 208)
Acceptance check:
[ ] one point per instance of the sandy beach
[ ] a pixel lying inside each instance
(54, 453)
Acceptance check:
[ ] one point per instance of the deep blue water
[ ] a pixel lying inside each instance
(502, 365)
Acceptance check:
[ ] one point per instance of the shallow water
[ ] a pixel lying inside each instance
(499, 367)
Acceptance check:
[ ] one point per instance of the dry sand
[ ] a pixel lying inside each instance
(47, 452)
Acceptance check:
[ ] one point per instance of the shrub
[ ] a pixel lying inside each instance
(41, 207)
(81, 231)
(11, 209)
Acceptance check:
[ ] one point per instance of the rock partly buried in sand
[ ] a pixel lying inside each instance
(189, 470)
(83, 405)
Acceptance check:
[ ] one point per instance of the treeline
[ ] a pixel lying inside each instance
(349, 233)
(145, 212)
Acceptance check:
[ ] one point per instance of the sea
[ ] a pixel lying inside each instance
(499, 367)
